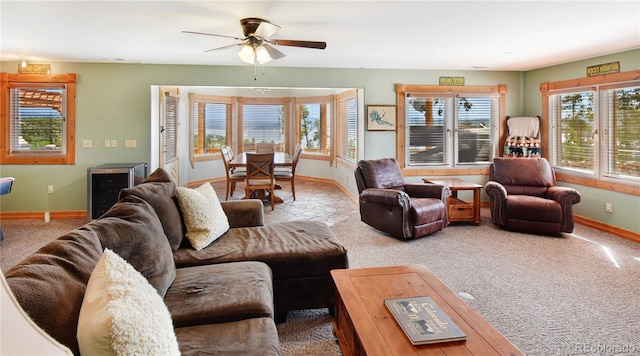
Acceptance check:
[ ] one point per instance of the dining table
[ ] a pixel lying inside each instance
(280, 159)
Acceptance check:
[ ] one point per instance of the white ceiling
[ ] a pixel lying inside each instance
(454, 35)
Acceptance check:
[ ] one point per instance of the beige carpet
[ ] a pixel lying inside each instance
(575, 295)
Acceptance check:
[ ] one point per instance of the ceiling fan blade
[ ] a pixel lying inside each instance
(212, 34)
(223, 47)
(274, 53)
(295, 43)
(266, 29)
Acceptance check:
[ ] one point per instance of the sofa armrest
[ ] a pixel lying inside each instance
(498, 194)
(389, 197)
(244, 213)
(422, 190)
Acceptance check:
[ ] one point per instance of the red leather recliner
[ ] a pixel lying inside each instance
(525, 197)
(403, 210)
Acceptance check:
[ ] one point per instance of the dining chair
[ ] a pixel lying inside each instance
(289, 173)
(233, 176)
(260, 175)
(231, 156)
(265, 147)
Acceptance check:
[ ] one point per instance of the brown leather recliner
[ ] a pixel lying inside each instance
(525, 197)
(403, 210)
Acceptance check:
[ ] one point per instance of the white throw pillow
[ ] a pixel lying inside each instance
(122, 314)
(203, 215)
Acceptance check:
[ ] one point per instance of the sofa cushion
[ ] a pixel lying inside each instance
(122, 313)
(50, 284)
(132, 230)
(160, 192)
(249, 337)
(290, 248)
(220, 293)
(203, 215)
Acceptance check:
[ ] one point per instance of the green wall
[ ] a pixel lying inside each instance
(114, 102)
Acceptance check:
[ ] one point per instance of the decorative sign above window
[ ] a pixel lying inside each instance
(34, 69)
(606, 68)
(451, 80)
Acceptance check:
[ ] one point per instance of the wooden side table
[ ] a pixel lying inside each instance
(460, 210)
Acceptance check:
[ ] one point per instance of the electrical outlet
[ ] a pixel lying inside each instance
(50, 189)
(130, 143)
(608, 208)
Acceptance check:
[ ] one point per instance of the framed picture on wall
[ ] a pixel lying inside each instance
(381, 118)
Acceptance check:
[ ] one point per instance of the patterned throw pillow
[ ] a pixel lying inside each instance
(203, 215)
(122, 314)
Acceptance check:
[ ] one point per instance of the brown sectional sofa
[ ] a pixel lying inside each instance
(222, 299)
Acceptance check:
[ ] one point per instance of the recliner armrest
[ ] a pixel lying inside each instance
(563, 195)
(497, 193)
(495, 190)
(244, 213)
(389, 197)
(422, 190)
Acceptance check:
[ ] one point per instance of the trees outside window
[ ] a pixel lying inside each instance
(313, 123)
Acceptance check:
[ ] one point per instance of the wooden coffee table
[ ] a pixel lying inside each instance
(364, 326)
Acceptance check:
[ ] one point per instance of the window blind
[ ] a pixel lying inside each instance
(209, 126)
(573, 130)
(347, 127)
(263, 123)
(37, 119)
(170, 129)
(621, 137)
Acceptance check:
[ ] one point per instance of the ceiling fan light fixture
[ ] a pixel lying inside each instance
(262, 55)
(247, 54)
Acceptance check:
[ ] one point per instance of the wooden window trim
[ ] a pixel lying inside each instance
(69, 80)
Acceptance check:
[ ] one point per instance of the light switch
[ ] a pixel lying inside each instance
(107, 143)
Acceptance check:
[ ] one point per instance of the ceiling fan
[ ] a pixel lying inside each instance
(257, 43)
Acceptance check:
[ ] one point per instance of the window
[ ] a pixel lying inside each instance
(347, 126)
(38, 119)
(263, 121)
(313, 124)
(595, 129)
(210, 124)
(449, 126)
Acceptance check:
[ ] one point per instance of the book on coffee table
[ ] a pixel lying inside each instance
(423, 321)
